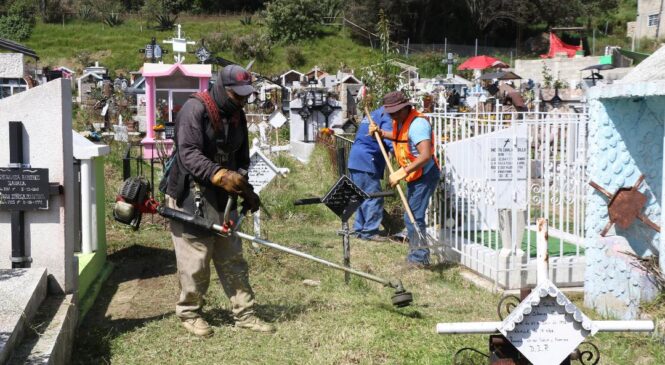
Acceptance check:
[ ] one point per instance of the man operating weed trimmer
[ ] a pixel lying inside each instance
(211, 147)
(413, 143)
(203, 183)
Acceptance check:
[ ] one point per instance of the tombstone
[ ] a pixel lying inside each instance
(261, 169)
(46, 118)
(312, 110)
(169, 85)
(544, 326)
(487, 175)
(40, 217)
(260, 173)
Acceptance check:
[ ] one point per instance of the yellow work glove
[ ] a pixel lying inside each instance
(396, 177)
(373, 128)
(230, 181)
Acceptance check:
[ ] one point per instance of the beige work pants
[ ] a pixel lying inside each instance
(193, 255)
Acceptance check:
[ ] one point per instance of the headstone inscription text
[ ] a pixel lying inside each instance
(260, 172)
(23, 189)
(547, 335)
(508, 161)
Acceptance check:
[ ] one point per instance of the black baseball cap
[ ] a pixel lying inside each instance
(238, 79)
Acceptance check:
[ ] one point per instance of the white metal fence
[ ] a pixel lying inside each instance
(500, 172)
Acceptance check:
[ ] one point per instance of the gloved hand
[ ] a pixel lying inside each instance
(374, 128)
(396, 176)
(250, 201)
(230, 181)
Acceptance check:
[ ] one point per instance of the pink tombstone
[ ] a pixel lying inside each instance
(167, 87)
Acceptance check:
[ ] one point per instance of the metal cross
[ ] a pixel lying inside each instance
(625, 205)
(179, 45)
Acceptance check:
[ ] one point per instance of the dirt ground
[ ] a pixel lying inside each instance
(142, 287)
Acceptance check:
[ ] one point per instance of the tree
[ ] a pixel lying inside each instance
(381, 78)
(487, 12)
(292, 20)
(18, 22)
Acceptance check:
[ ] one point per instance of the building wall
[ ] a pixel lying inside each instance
(644, 9)
(11, 66)
(564, 69)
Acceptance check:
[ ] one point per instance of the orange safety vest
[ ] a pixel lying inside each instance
(401, 145)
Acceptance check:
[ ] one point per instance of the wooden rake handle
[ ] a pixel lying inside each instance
(390, 168)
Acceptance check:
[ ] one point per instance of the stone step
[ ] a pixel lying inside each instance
(50, 335)
(22, 291)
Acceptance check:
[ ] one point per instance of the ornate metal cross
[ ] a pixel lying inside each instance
(625, 205)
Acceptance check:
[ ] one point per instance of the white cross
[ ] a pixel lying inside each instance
(179, 46)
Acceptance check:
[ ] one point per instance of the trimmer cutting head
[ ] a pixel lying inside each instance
(402, 299)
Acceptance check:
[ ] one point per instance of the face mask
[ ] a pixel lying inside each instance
(227, 106)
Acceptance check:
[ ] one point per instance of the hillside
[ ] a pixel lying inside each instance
(117, 48)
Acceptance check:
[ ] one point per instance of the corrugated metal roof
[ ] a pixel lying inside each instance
(16, 47)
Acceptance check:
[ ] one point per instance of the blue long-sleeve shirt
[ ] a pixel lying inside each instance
(365, 153)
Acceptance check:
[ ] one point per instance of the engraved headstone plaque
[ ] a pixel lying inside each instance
(344, 198)
(23, 189)
(261, 171)
(546, 326)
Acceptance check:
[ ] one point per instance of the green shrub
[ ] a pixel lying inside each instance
(246, 20)
(292, 20)
(14, 27)
(219, 42)
(294, 57)
(252, 45)
(112, 19)
(87, 12)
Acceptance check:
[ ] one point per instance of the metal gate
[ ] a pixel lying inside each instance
(500, 172)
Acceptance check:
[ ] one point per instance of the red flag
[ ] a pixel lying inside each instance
(557, 45)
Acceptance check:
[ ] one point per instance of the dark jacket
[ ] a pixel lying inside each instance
(202, 151)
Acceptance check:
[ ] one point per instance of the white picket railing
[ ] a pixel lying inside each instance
(500, 172)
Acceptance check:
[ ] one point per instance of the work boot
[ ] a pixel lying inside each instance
(253, 323)
(197, 326)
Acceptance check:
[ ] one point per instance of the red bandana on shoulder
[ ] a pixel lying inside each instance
(213, 111)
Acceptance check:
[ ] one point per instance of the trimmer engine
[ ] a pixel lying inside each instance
(133, 200)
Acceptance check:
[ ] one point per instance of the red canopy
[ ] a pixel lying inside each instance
(481, 63)
(557, 45)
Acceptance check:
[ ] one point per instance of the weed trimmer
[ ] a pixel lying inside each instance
(129, 208)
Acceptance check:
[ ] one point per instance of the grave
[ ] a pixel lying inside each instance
(260, 173)
(167, 88)
(91, 78)
(310, 110)
(626, 132)
(38, 217)
(543, 327)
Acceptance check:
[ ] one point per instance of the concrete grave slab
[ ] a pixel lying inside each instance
(21, 293)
